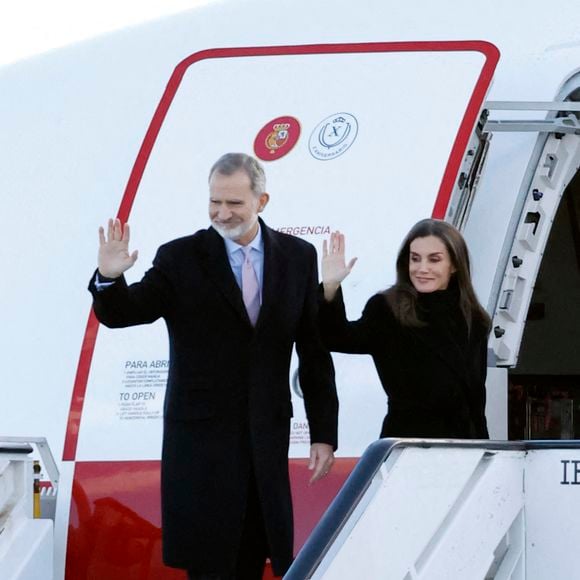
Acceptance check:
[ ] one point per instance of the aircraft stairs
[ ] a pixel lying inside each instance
(452, 510)
(26, 509)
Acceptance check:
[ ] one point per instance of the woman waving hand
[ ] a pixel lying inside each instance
(427, 334)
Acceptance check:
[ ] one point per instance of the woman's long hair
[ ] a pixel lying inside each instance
(402, 297)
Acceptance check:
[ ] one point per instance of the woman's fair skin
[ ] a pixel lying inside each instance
(430, 266)
(334, 267)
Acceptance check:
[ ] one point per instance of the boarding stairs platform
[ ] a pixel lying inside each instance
(452, 510)
(27, 508)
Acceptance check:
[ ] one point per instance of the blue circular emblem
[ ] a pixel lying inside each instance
(333, 136)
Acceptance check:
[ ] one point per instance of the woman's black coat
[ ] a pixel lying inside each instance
(434, 376)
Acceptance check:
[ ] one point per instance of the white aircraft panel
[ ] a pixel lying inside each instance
(389, 120)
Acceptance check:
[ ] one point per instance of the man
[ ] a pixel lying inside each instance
(236, 298)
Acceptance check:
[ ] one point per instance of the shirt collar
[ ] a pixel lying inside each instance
(257, 243)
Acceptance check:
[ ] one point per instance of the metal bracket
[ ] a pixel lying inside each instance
(567, 124)
(469, 174)
(562, 106)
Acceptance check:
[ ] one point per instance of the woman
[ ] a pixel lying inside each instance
(427, 334)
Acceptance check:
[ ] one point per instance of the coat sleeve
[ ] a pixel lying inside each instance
(120, 305)
(342, 335)
(316, 371)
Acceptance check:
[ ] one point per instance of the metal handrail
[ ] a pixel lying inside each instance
(25, 445)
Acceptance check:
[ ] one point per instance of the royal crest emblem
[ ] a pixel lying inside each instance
(277, 138)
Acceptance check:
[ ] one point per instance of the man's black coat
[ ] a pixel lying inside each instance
(227, 404)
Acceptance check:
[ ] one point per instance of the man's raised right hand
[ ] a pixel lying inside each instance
(114, 257)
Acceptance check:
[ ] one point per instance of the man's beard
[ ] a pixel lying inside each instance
(237, 232)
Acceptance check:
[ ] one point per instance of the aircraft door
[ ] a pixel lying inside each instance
(533, 294)
(339, 131)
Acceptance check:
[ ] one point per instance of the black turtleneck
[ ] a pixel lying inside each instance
(441, 310)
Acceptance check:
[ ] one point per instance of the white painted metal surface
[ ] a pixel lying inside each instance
(558, 164)
(26, 544)
(171, 201)
(435, 514)
(496, 407)
(463, 513)
(552, 514)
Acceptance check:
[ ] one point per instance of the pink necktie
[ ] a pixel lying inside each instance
(250, 287)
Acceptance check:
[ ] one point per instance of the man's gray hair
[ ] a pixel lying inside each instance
(230, 163)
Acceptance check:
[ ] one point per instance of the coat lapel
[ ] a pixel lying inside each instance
(274, 272)
(218, 269)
